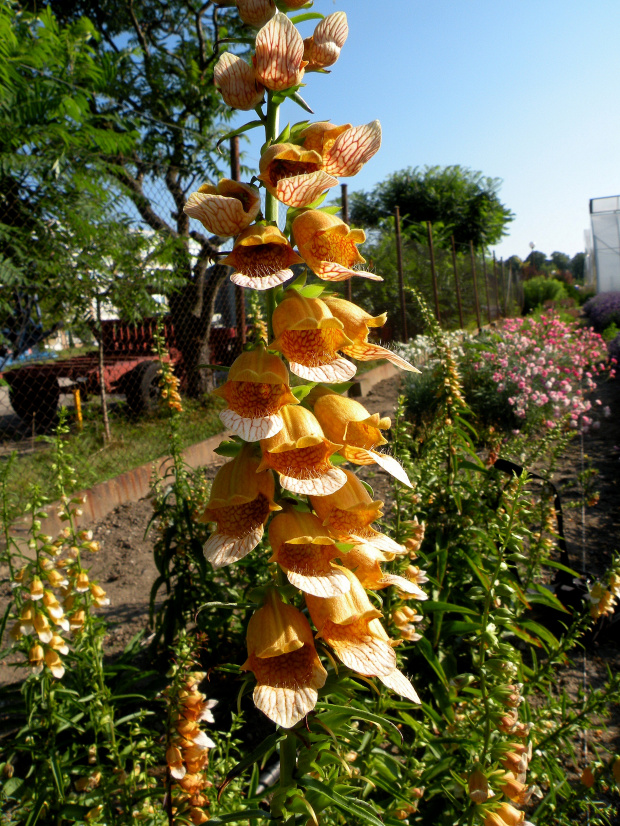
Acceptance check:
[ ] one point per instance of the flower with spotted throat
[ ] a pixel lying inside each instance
(304, 551)
(237, 82)
(343, 149)
(309, 336)
(293, 174)
(256, 390)
(328, 246)
(240, 503)
(300, 453)
(323, 48)
(348, 422)
(278, 58)
(349, 514)
(349, 624)
(282, 655)
(225, 209)
(261, 258)
(356, 324)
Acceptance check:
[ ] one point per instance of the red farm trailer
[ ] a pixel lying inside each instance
(130, 368)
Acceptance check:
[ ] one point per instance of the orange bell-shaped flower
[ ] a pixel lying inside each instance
(356, 323)
(237, 83)
(344, 149)
(349, 624)
(300, 455)
(328, 246)
(304, 551)
(365, 560)
(261, 257)
(256, 12)
(256, 390)
(240, 503)
(310, 337)
(323, 48)
(225, 209)
(278, 58)
(348, 422)
(282, 655)
(294, 175)
(349, 514)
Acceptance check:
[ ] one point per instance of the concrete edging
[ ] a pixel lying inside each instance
(135, 484)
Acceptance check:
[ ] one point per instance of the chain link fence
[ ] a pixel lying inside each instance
(205, 321)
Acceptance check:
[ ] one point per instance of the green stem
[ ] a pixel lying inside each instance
(288, 760)
(272, 128)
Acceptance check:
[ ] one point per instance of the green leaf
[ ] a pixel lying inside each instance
(340, 387)
(253, 124)
(360, 714)
(12, 785)
(301, 102)
(545, 597)
(431, 605)
(350, 806)
(228, 448)
(312, 290)
(244, 814)
(429, 655)
(309, 15)
(268, 744)
(302, 390)
(553, 564)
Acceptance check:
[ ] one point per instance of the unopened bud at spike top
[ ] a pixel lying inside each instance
(256, 12)
(278, 58)
(322, 49)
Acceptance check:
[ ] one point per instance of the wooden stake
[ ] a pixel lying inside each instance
(401, 277)
(431, 250)
(473, 278)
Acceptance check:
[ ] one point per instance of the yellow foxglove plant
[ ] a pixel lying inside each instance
(289, 442)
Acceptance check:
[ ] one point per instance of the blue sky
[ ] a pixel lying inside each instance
(522, 90)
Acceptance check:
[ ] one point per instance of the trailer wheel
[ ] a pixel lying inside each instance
(142, 387)
(36, 399)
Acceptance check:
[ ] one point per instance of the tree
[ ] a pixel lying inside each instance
(49, 135)
(578, 266)
(466, 202)
(560, 261)
(166, 52)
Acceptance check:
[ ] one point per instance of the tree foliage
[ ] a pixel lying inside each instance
(464, 201)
